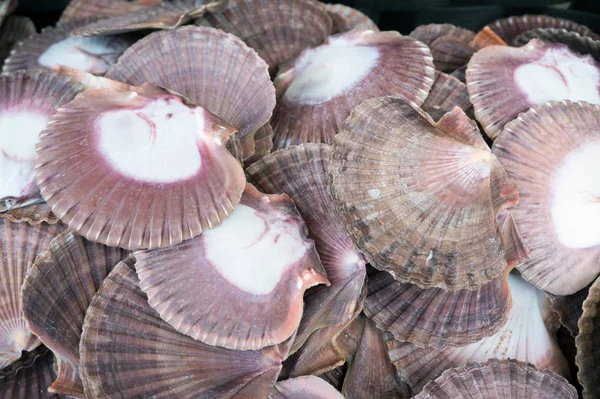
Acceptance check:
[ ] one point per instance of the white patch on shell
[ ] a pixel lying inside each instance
(559, 75)
(252, 250)
(19, 133)
(329, 71)
(374, 193)
(90, 54)
(158, 143)
(575, 205)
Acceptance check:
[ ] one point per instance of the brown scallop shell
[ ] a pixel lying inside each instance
(434, 317)
(127, 351)
(431, 32)
(105, 206)
(569, 308)
(223, 75)
(227, 314)
(532, 148)
(528, 336)
(404, 69)
(588, 347)
(34, 214)
(446, 93)
(26, 54)
(487, 37)
(495, 93)
(20, 243)
(40, 93)
(511, 27)
(418, 197)
(85, 9)
(304, 387)
(277, 30)
(450, 53)
(32, 378)
(12, 30)
(507, 379)
(56, 294)
(301, 173)
(573, 40)
(346, 18)
(263, 144)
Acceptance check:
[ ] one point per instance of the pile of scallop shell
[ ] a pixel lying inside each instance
(272, 198)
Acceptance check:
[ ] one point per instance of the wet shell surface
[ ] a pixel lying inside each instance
(32, 379)
(301, 173)
(27, 100)
(588, 347)
(277, 30)
(56, 294)
(505, 81)
(122, 332)
(551, 153)
(351, 17)
(434, 317)
(446, 93)
(498, 379)
(20, 243)
(304, 387)
(12, 30)
(528, 336)
(153, 186)
(321, 87)
(222, 75)
(53, 46)
(422, 200)
(84, 9)
(253, 270)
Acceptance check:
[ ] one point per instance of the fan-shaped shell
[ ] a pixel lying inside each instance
(352, 68)
(304, 387)
(301, 173)
(26, 97)
(446, 93)
(85, 9)
(431, 32)
(222, 74)
(434, 317)
(576, 42)
(20, 243)
(450, 53)
(349, 18)
(511, 27)
(538, 151)
(505, 81)
(12, 30)
(253, 271)
(32, 378)
(127, 350)
(85, 174)
(528, 336)
(56, 294)
(277, 30)
(54, 46)
(508, 379)
(419, 197)
(588, 348)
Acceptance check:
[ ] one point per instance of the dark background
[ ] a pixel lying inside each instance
(405, 15)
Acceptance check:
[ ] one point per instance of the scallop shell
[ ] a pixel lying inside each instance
(12, 30)
(446, 93)
(301, 173)
(33, 214)
(351, 17)
(223, 75)
(434, 317)
(305, 113)
(96, 194)
(450, 53)
(263, 143)
(277, 30)
(85, 9)
(422, 200)
(528, 336)
(509, 379)
(576, 42)
(511, 27)
(32, 95)
(505, 81)
(127, 351)
(431, 32)
(20, 243)
(569, 308)
(304, 387)
(487, 37)
(30, 382)
(260, 309)
(56, 294)
(588, 349)
(335, 377)
(534, 150)
(28, 53)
